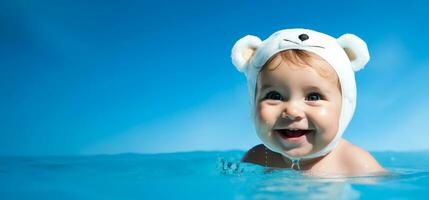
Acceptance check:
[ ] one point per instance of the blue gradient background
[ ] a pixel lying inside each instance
(92, 77)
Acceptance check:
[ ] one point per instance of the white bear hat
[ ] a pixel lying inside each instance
(346, 55)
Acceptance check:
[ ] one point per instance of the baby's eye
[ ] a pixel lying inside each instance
(314, 96)
(274, 96)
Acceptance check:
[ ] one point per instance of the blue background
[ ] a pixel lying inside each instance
(91, 77)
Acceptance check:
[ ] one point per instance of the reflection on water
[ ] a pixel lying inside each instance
(304, 188)
(275, 183)
(268, 183)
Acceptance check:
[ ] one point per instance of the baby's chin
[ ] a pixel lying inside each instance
(296, 152)
(289, 152)
(296, 147)
(293, 150)
(289, 148)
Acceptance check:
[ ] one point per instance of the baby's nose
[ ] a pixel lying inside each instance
(292, 113)
(292, 117)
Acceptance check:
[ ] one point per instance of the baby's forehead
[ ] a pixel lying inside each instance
(297, 76)
(296, 59)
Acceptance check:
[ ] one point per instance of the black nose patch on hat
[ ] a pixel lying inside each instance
(303, 37)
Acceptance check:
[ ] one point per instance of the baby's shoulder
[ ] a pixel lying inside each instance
(255, 155)
(261, 155)
(357, 159)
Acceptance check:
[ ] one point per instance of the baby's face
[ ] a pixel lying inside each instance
(297, 110)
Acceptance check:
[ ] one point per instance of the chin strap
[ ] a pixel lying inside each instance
(295, 161)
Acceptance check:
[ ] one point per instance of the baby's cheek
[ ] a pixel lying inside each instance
(328, 120)
(328, 114)
(323, 113)
(266, 114)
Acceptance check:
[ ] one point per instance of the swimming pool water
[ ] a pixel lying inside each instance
(200, 175)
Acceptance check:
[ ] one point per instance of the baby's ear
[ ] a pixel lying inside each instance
(356, 50)
(243, 51)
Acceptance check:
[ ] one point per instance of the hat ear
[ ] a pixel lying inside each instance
(356, 49)
(243, 51)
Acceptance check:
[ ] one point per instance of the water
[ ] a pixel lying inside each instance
(200, 175)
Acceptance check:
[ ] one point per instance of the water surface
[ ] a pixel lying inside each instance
(200, 175)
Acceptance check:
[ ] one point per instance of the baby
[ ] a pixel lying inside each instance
(303, 95)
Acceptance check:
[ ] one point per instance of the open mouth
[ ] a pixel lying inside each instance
(292, 133)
